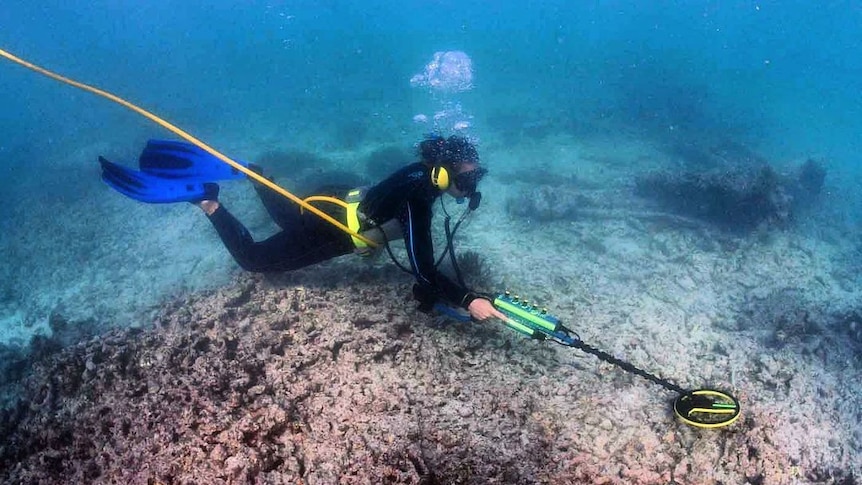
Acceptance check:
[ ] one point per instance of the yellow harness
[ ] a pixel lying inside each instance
(351, 207)
(354, 197)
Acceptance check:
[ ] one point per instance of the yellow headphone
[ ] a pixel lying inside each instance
(440, 177)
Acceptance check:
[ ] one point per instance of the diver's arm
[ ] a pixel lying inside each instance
(416, 223)
(433, 284)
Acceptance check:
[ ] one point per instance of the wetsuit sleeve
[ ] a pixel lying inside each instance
(416, 222)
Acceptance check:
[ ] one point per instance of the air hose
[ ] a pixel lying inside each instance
(191, 139)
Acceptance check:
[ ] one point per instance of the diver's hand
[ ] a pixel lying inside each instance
(482, 309)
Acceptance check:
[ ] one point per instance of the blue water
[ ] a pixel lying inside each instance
(331, 79)
(780, 77)
(788, 73)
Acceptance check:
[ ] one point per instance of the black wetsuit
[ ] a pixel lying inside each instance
(406, 196)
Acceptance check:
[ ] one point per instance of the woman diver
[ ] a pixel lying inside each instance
(400, 206)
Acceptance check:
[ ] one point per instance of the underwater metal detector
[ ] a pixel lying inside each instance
(702, 408)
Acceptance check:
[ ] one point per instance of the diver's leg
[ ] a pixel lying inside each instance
(310, 240)
(235, 237)
(282, 210)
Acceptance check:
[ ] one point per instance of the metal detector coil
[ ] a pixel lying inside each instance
(707, 408)
(701, 408)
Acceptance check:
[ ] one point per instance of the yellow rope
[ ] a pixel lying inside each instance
(325, 198)
(191, 139)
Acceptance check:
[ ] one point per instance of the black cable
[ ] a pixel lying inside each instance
(626, 366)
(449, 249)
(392, 257)
(450, 238)
(445, 225)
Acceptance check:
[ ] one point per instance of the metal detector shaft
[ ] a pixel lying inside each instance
(626, 366)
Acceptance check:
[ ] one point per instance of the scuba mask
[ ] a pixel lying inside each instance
(466, 182)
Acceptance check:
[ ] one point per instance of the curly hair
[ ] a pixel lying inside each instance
(452, 151)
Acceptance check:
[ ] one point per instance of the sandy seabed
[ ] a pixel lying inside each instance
(275, 383)
(329, 375)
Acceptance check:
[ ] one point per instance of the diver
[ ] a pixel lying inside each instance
(399, 207)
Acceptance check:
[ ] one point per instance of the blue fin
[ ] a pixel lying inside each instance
(178, 160)
(151, 189)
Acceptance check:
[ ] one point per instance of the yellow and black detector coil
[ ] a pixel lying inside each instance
(707, 408)
(702, 408)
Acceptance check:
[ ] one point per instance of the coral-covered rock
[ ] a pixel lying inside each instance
(742, 198)
(320, 385)
(547, 203)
